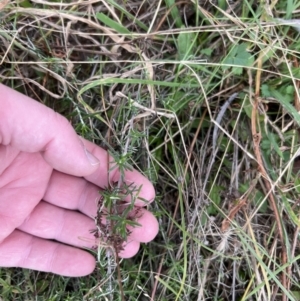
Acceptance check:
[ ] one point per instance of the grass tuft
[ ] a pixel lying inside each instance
(203, 98)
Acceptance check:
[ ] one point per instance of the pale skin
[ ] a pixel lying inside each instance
(49, 186)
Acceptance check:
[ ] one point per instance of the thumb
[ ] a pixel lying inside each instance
(32, 127)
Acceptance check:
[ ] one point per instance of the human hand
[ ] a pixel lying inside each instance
(49, 186)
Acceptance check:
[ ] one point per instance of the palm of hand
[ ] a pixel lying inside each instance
(44, 212)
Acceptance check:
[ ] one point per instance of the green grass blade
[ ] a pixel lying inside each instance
(112, 24)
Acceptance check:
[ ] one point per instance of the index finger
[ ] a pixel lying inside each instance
(108, 173)
(31, 127)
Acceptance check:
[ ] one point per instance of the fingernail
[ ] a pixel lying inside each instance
(92, 159)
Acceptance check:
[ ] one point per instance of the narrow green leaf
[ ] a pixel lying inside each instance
(274, 144)
(297, 184)
(112, 24)
(290, 211)
(174, 12)
(185, 44)
(287, 106)
(124, 11)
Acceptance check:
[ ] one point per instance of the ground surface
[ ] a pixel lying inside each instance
(205, 99)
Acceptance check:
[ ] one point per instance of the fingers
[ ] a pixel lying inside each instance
(26, 251)
(22, 185)
(72, 193)
(21, 249)
(50, 133)
(32, 127)
(77, 194)
(70, 227)
(37, 144)
(130, 249)
(148, 226)
(66, 226)
(108, 173)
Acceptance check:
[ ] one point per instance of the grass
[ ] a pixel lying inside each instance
(151, 82)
